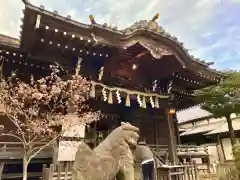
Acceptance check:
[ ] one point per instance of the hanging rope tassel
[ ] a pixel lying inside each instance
(144, 102)
(156, 102)
(110, 98)
(128, 103)
(100, 75)
(78, 66)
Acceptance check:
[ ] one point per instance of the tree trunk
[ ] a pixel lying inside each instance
(1, 169)
(231, 130)
(25, 167)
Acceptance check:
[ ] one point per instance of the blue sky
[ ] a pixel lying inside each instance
(210, 29)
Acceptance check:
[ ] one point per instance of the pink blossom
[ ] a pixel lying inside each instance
(37, 108)
(37, 95)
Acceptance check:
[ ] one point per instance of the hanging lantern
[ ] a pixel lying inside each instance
(172, 111)
(134, 67)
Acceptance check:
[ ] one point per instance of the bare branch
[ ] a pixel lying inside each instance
(14, 121)
(42, 147)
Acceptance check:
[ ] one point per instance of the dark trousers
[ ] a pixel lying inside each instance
(148, 170)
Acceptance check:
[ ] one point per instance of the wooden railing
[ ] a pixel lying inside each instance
(181, 149)
(188, 171)
(14, 150)
(14, 146)
(192, 149)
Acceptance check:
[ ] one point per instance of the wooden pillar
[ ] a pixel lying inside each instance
(155, 131)
(172, 139)
(178, 140)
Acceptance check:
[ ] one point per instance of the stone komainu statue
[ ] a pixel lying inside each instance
(112, 158)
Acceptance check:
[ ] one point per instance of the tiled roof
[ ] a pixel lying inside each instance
(205, 128)
(192, 113)
(224, 127)
(137, 28)
(218, 126)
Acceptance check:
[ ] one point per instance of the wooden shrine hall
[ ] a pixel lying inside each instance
(140, 74)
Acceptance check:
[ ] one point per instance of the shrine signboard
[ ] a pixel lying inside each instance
(71, 129)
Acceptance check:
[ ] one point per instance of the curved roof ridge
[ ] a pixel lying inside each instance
(150, 25)
(26, 2)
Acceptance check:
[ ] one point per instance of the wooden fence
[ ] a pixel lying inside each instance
(189, 171)
(57, 172)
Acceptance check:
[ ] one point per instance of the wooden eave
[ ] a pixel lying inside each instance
(116, 39)
(9, 43)
(9, 48)
(193, 80)
(195, 120)
(110, 36)
(38, 67)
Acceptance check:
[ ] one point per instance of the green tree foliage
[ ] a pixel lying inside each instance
(223, 99)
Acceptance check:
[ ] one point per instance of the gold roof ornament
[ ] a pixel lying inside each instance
(91, 17)
(157, 16)
(151, 25)
(17, 42)
(154, 24)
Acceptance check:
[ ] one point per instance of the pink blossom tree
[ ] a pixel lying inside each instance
(37, 109)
